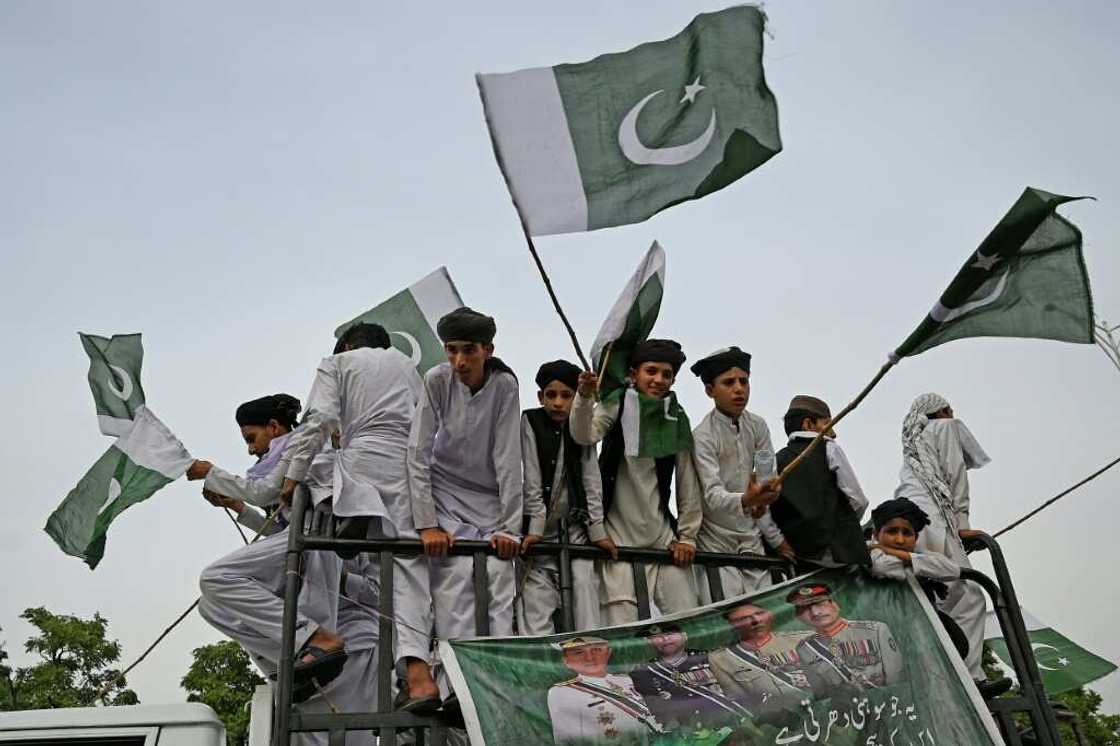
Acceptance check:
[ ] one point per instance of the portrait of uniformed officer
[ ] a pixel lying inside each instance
(842, 653)
(595, 704)
(761, 669)
(679, 686)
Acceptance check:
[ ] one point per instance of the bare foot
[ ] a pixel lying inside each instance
(325, 640)
(421, 685)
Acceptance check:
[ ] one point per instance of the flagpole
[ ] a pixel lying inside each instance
(839, 416)
(1057, 497)
(551, 292)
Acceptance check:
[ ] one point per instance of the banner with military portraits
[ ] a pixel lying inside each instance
(830, 658)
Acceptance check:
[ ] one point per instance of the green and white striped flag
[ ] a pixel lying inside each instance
(651, 427)
(114, 378)
(1027, 279)
(630, 320)
(411, 316)
(1064, 664)
(140, 462)
(622, 137)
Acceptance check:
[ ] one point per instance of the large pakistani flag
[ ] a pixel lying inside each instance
(411, 315)
(140, 462)
(1027, 279)
(650, 427)
(114, 378)
(624, 136)
(1064, 664)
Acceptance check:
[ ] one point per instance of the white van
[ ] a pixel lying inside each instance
(188, 724)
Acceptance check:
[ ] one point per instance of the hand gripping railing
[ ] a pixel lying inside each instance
(290, 720)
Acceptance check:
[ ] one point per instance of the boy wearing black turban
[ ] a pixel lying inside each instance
(561, 482)
(464, 473)
(726, 443)
(637, 489)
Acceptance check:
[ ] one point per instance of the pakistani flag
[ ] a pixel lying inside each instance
(140, 462)
(411, 315)
(114, 377)
(1027, 279)
(624, 136)
(651, 427)
(1064, 664)
(630, 320)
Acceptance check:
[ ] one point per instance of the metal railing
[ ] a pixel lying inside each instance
(1031, 699)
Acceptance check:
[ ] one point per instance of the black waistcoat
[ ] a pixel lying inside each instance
(548, 436)
(610, 459)
(812, 512)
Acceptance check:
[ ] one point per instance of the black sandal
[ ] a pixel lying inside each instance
(324, 667)
(415, 705)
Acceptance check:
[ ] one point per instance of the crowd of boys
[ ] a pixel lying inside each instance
(381, 451)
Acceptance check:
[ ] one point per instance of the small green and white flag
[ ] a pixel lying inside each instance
(1064, 664)
(1027, 279)
(652, 427)
(140, 462)
(411, 316)
(619, 138)
(630, 320)
(114, 378)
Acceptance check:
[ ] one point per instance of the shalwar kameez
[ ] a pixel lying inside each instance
(937, 454)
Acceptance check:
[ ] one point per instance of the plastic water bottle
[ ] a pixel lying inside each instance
(765, 465)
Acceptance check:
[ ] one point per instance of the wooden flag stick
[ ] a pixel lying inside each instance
(551, 292)
(836, 418)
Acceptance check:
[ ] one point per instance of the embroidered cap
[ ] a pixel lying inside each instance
(575, 643)
(809, 594)
(653, 630)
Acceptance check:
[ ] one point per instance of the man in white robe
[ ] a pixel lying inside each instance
(367, 393)
(725, 444)
(938, 450)
(464, 469)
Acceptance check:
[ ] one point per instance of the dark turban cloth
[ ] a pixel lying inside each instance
(900, 507)
(466, 325)
(280, 407)
(719, 362)
(558, 370)
(658, 351)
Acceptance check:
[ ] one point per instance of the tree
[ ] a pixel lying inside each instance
(74, 670)
(221, 676)
(1098, 729)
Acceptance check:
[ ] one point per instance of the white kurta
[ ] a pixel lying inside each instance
(965, 602)
(540, 583)
(464, 461)
(635, 520)
(724, 450)
(369, 396)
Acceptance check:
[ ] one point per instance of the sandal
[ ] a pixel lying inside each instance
(415, 705)
(324, 667)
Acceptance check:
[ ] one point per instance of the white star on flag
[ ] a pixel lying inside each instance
(1063, 661)
(984, 262)
(692, 91)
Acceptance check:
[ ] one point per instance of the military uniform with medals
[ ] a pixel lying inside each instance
(764, 678)
(597, 707)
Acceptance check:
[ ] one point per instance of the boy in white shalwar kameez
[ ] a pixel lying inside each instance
(937, 452)
(637, 490)
(464, 460)
(367, 392)
(562, 481)
(242, 593)
(725, 444)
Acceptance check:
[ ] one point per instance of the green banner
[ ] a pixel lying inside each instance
(831, 658)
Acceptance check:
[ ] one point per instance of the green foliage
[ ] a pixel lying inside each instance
(222, 677)
(1098, 729)
(74, 668)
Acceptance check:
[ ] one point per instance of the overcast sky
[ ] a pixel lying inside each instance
(235, 179)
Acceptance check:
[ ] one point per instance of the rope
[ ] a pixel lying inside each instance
(1058, 497)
